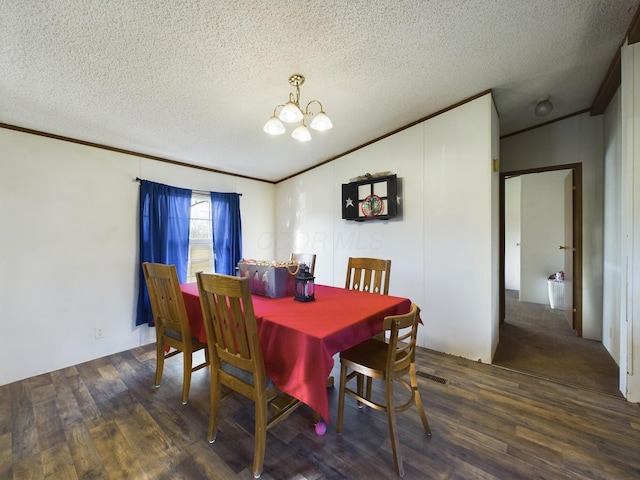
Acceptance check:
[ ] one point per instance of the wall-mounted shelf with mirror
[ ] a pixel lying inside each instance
(372, 198)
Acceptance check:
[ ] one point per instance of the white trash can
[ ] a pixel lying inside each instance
(556, 293)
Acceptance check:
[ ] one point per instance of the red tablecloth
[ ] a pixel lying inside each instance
(299, 339)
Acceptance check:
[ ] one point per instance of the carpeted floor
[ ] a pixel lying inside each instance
(536, 339)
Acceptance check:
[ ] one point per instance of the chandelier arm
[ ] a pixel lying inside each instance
(275, 109)
(306, 110)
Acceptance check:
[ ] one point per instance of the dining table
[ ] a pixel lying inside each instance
(300, 339)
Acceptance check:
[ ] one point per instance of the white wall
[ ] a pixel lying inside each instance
(68, 249)
(578, 139)
(495, 230)
(309, 210)
(443, 248)
(612, 294)
(630, 255)
(458, 231)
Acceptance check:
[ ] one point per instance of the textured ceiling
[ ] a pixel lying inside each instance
(195, 81)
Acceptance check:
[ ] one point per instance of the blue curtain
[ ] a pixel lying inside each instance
(227, 231)
(164, 235)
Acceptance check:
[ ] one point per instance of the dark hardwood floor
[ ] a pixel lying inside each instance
(105, 420)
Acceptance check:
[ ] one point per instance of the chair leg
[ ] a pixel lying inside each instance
(159, 362)
(214, 405)
(393, 429)
(186, 380)
(360, 381)
(343, 381)
(261, 436)
(418, 399)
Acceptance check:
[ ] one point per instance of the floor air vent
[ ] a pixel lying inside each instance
(433, 378)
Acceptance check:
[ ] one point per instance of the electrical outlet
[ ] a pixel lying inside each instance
(99, 332)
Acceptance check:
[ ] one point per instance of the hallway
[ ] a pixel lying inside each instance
(536, 339)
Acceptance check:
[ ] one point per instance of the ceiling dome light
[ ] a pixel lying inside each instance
(543, 107)
(290, 112)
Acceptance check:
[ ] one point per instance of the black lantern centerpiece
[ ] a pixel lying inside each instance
(304, 286)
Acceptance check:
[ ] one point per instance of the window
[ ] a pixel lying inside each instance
(176, 228)
(200, 237)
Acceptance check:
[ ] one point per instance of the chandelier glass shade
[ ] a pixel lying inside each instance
(274, 126)
(291, 112)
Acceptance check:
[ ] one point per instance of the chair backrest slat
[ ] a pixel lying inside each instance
(402, 343)
(230, 323)
(222, 319)
(167, 303)
(368, 275)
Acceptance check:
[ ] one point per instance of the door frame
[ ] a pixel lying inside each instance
(577, 237)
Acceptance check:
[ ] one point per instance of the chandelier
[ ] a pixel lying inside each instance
(291, 112)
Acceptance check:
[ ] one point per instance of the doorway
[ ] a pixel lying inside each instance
(533, 285)
(535, 338)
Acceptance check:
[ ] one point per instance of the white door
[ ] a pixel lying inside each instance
(569, 249)
(542, 230)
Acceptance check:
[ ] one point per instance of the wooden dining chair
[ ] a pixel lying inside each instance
(368, 275)
(391, 363)
(309, 259)
(172, 323)
(236, 358)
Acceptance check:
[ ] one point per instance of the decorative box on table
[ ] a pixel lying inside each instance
(269, 278)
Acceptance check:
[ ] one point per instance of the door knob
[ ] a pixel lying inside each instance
(566, 247)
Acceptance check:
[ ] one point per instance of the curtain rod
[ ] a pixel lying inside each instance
(138, 179)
